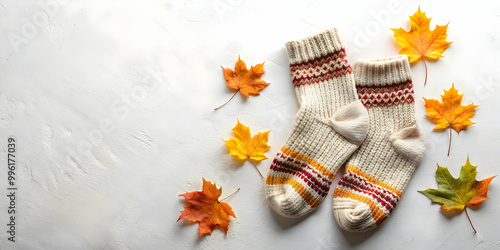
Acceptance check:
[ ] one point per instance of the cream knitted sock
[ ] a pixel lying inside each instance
(331, 123)
(377, 174)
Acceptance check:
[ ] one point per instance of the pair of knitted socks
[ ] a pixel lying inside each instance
(363, 117)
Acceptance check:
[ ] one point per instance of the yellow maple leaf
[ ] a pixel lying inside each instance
(421, 42)
(450, 113)
(244, 146)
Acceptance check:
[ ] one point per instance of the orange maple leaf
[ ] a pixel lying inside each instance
(421, 42)
(246, 81)
(245, 146)
(450, 113)
(206, 209)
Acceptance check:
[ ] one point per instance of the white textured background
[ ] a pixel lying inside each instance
(146, 76)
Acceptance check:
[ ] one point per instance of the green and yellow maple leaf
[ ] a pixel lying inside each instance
(458, 193)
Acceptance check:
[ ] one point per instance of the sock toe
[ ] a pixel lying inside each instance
(285, 201)
(352, 215)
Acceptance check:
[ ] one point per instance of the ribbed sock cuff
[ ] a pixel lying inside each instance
(313, 47)
(382, 72)
(384, 81)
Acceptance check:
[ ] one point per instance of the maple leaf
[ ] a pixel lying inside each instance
(244, 146)
(246, 81)
(450, 113)
(206, 209)
(421, 42)
(459, 193)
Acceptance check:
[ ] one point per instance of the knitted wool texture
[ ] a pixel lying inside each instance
(330, 125)
(377, 174)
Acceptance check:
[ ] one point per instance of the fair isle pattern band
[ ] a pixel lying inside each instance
(320, 69)
(380, 197)
(307, 177)
(386, 95)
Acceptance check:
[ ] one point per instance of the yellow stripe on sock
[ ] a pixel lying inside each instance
(301, 190)
(311, 162)
(372, 179)
(377, 214)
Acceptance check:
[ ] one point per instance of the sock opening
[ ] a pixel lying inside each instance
(382, 72)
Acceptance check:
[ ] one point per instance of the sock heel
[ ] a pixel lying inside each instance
(410, 142)
(350, 121)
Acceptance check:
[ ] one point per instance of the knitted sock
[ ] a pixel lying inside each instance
(330, 125)
(377, 174)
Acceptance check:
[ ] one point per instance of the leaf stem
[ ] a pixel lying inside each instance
(425, 64)
(449, 144)
(230, 195)
(469, 220)
(257, 169)
(228, 101)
